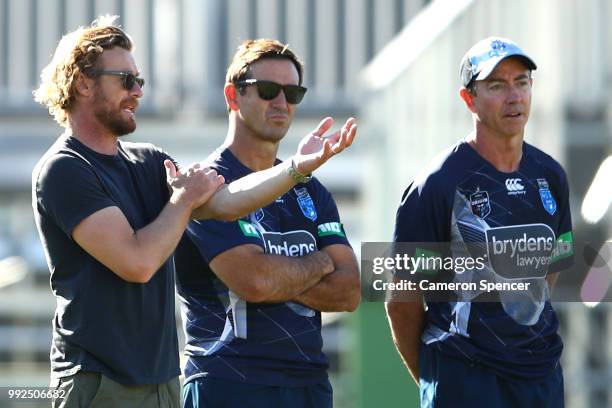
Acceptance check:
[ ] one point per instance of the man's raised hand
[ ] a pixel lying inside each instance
(316, 148)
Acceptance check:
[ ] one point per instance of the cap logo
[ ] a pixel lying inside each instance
(497, 48)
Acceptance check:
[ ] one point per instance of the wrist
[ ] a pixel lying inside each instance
(296, 174)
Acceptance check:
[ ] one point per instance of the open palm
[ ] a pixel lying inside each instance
(316, 148)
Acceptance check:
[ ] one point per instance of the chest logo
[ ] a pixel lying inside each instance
(259, 214)
(481, 206)
(306, 204)
(515, 186)
(548, 201)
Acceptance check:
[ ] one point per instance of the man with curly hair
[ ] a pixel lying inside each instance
(110, 214)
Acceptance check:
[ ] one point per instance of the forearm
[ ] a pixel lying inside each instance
(407, 322)
(156, 242)
(275, 278)
(336, 292)
(551, 279)
(247, 194)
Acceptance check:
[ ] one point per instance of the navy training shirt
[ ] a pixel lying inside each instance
(276, 344)
(463, 201)
(102, 323)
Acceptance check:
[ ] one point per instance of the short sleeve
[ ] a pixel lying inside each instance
(563, 253)
(213, 237)
(68, 191)
(423, 215)
(330, 230)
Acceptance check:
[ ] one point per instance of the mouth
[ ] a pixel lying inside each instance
(513, 115)
(130, 108)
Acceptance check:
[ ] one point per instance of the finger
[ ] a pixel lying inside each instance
(170, 169)
(327, 150)
(324, 126)
(210, 172)
(352, 134)
(196, 165)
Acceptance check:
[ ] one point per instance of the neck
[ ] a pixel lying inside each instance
(503, 152)
(87, 130)
(252, 151)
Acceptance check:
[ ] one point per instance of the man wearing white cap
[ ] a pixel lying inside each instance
(495, 197)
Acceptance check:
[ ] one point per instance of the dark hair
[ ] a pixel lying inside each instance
(252, 51)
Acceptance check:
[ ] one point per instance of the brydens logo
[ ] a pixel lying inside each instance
(515, 186)
(291, 243)
(520, 251)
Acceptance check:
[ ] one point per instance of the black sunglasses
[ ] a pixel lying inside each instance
(127, 78)
(268, 90)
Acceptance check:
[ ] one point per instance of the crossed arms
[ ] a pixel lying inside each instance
(325, 280)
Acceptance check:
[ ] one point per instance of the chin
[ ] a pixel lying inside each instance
(124, 129)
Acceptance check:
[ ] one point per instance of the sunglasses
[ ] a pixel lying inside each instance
(127, 78)
(268, 90)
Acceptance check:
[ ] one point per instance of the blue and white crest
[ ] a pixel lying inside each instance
(259, 214)
(306, 204)
(548, 201)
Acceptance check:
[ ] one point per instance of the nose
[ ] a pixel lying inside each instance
(280, 99)
(515, 94)
(136, 91)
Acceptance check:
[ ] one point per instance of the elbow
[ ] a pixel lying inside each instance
(137, 272)
(353, 298)
(254, 291)
(228, 216)
(223, 213)
(405, 310)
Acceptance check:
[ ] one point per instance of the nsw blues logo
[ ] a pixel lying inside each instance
(481, 206)
(259, 214)
(548, 201)
(306, 204)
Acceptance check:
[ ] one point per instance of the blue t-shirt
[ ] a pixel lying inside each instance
(260, 343)
(461, 200)
(126, 331)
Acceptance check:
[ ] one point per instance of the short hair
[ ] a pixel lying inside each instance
(77, 52)
(251, 51)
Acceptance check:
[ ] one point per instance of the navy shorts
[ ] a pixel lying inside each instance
(206, 392)
(447, 381)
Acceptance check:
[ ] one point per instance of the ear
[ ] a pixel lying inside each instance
(231, 99)
(83, 85)
(468, 98)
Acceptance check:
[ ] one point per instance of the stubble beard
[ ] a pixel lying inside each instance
(112, 118)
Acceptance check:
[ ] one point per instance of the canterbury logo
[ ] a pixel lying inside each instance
(514, 184)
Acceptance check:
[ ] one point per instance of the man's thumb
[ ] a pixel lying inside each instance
(170, 169)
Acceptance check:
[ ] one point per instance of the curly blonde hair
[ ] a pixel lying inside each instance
(76, 53)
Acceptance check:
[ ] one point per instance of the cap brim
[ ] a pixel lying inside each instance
(490, 65)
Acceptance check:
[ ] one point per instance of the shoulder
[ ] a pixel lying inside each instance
(551, 166)
(143, 151)
(440, 176)
(60, 160)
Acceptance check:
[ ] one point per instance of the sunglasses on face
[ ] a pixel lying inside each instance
(127, 78)
(268, 90)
